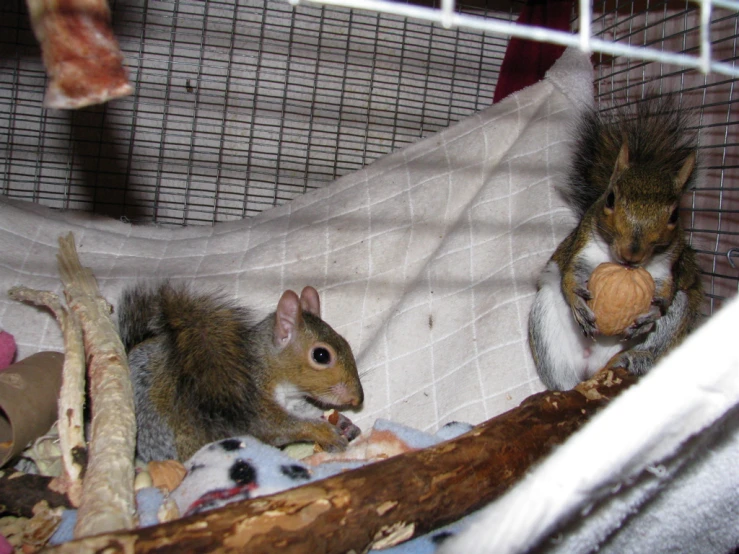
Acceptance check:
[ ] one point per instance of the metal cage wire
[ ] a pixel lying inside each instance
(241, 105)
(449, 16)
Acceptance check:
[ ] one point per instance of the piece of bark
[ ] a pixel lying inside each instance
(20, 492)
(80, 52)
(387, 502)
(71, 396)
(107, 490)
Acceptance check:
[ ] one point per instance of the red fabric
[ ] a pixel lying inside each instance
(526, 61)
(5, 546)
(7, 352)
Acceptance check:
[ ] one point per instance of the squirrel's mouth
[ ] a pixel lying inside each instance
(335, 399)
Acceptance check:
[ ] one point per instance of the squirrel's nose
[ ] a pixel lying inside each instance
(358, 400)
(632, 255)
(632, 261)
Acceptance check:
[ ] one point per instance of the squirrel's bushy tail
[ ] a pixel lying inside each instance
(138, 311)
(194, 323)
(148, 310)
(660, 139)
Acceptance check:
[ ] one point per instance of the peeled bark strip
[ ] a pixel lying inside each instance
(80, 52)
(71, 396)
(387, 502)
(107, 490)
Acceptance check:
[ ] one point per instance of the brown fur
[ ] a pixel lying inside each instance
(211, 372)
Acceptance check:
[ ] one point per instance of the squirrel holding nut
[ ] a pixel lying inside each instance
(203, 370)
(628, 174)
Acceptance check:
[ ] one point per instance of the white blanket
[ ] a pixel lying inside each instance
(426, 262)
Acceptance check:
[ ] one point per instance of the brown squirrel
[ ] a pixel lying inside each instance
(626, 179)
(203, 370)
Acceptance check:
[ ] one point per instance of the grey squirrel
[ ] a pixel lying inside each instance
(628, 173)
(202, 370)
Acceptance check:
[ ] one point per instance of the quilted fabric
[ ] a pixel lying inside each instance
(426, 261)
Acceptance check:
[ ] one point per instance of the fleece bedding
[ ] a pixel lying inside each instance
(426, 261)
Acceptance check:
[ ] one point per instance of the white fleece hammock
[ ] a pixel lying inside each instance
(426, 261)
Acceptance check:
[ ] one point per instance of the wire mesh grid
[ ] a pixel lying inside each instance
(711, 211)
(446, 13)
(241, 105)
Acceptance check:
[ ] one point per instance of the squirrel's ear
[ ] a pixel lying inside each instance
(287, 318)
(622, 161)
(685, 172)
(310, 302)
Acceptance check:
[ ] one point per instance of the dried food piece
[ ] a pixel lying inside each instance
(80, 52)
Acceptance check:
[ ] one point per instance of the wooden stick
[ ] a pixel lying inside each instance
(387, 502)
(107, 490)
(71, 396)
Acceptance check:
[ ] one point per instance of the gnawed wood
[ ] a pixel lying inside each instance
(107, 490)
(71, 396)
(385, 502)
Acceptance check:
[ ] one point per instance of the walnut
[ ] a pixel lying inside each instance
(167, 473)
(620, 295)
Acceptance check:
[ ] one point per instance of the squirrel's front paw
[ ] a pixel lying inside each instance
(584, 315)
(661, 303)
(330, 438)
(344, 424)
(643, 324)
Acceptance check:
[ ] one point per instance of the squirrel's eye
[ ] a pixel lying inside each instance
(611, 200)
(321, 355)
(673, 216)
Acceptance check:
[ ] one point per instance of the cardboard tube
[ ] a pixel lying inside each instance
(29, 391)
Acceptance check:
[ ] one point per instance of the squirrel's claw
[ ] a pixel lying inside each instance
(636, 362)
(585, 318)
(643, 324)
(661, 303)
(347, 428)
(583, 292)
(331, 438)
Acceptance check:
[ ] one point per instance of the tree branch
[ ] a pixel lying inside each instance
(387, 502)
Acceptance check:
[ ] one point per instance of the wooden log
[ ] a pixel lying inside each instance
(387, 502)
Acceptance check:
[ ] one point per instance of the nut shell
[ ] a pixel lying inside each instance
(619, 295)
(167, 474)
